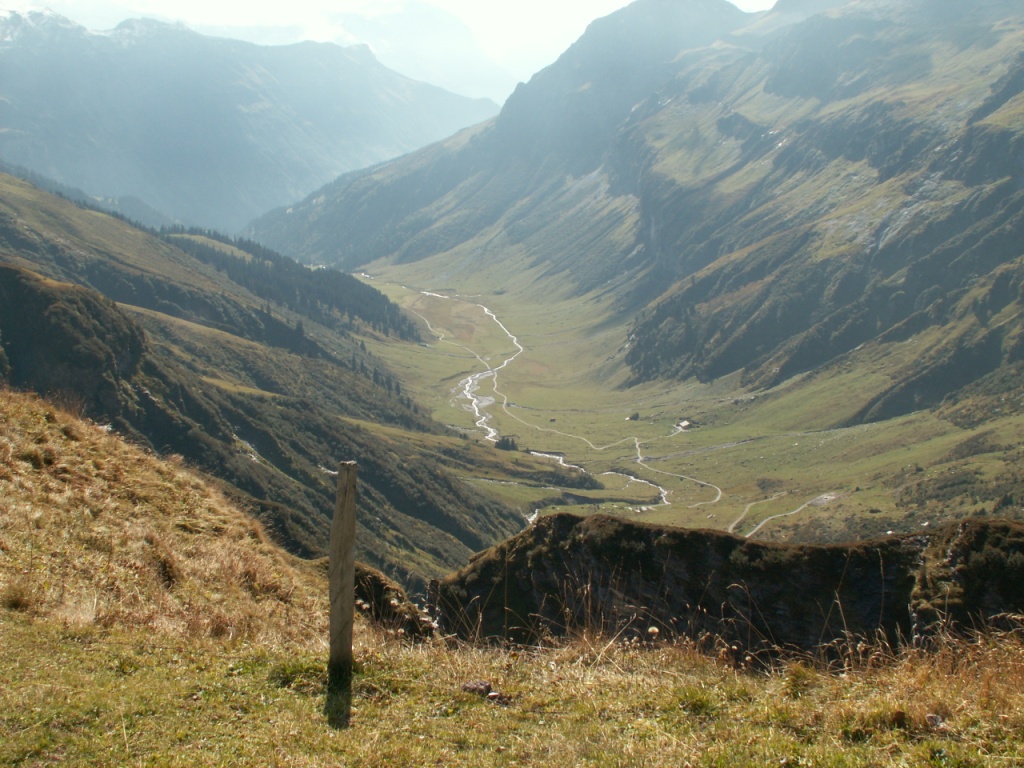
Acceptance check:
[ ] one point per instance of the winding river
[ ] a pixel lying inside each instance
(468, 392)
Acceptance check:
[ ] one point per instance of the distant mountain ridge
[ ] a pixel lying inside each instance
(208, 131)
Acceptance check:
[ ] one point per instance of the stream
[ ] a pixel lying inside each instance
(468, 390)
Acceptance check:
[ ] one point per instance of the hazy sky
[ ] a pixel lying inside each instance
(519, 36)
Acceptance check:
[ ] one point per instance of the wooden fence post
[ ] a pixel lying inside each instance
(342, 570)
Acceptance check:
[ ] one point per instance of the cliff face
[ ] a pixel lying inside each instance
(568, 574)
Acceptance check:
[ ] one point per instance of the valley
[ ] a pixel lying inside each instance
(686, 396)
(776, 464)
(798, 233)
(698, 279)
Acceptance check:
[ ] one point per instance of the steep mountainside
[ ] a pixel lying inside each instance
(765, 193)
(532, 176)
(227, 359)
(208, 131)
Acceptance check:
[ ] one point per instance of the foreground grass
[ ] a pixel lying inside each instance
(78, 697)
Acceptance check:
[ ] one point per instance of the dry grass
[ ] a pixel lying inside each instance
(144, 621)
(127, 698)
(96, 532)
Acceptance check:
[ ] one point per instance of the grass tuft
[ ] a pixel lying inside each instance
(18, 596)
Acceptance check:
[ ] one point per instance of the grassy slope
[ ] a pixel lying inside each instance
(146, 621)
(97, 533)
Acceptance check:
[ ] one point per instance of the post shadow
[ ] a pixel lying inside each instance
(338, 706)
(342, 571)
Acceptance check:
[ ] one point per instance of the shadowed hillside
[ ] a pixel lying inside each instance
(261, 396)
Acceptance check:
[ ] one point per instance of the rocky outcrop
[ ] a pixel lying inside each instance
(568, 574)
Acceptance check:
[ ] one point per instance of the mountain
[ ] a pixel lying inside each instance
(246, 365)
(763, 194)
(209, 131)
(431, 44)
(522, 174)
(418, 39)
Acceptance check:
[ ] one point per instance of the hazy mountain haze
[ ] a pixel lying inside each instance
(207, 130)
(472, 48)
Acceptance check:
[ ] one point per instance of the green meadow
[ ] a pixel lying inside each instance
(792, 457)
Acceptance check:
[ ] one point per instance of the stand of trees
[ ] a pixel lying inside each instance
(329, 297)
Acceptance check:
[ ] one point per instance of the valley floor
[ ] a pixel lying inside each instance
(777, 464)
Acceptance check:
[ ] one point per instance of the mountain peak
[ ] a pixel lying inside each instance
(361, 52)
(806, 7)
(15, 24)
